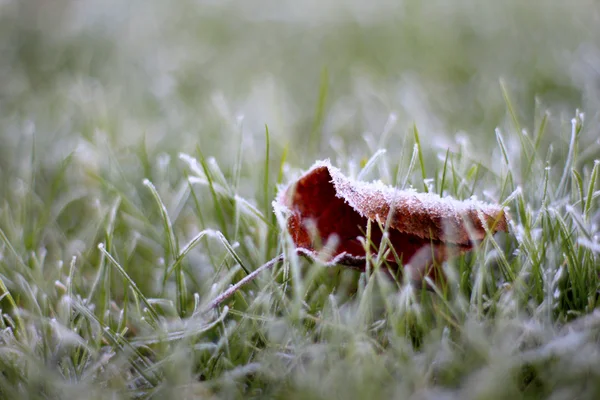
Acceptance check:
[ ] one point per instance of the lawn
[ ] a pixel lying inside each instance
(142, 144)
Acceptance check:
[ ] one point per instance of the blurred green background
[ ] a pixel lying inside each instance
(181, 74)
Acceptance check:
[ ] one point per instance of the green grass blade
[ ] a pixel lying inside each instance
(509, 105)
(578, 180)
(421, 161)
(411, 165)
(538, 140)
(266, 192)
(231, 251)
(444, 170)
(218, 209)
(188, 247)
(131, 282)
(569, 163)
(590, 191)
(370, 164)
(172, 245)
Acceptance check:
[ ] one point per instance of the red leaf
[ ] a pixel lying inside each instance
(424, 229)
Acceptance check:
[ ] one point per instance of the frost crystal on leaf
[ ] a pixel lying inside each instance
(423, 228)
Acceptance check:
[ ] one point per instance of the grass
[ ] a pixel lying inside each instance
(139, 158)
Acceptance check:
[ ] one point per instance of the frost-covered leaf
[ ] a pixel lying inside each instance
(323, 206)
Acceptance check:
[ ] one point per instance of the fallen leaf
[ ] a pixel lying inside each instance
(325, 208)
